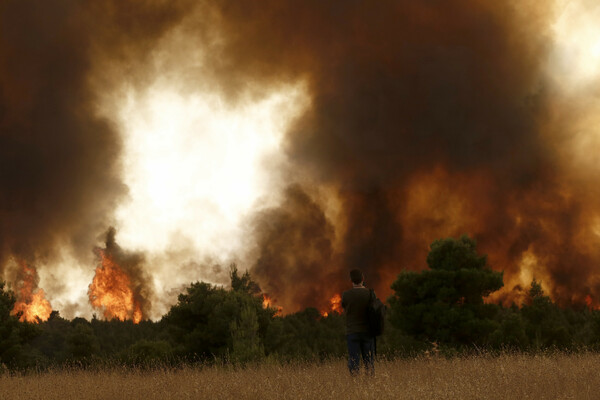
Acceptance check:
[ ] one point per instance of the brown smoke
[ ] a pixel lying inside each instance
(296, 246)
(59, 161)
(428, 119)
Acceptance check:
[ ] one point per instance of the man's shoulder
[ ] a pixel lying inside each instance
(346, 293)
(355, 291)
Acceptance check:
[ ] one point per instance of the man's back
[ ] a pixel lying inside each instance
(355, 302)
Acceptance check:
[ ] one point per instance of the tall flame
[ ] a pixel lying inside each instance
(31, 304)
(111, 291)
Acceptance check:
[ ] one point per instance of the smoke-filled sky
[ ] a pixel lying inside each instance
(300, 140)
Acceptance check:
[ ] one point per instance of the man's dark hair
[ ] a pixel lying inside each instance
(356, 276)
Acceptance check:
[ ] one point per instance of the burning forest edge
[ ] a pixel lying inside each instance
(414, 126)
(437, 307)
(121, 290)
(398, 125)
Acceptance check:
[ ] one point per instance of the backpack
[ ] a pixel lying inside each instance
(375, 315)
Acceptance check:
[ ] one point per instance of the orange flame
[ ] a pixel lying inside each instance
(589, 302)
(335, 305)
(31, 301)
(111, 291)
(268, 303)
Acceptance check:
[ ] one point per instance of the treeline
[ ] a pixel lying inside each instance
(441, 307)
(208, 324)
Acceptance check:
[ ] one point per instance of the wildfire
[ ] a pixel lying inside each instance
(31, 304)
(268, 303)
(111, 291)
(335, 305)
(589, 302)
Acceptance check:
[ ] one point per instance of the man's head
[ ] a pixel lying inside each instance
(356, 276)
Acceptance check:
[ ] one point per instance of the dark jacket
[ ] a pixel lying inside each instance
(355, 302)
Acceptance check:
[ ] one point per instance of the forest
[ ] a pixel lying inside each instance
(442, 309)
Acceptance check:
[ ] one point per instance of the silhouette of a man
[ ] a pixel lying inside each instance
(360, 342)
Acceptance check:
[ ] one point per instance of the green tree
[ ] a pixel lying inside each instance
(246, 343)
(511, 331)
(445, 303)
(52, 342)
(306, 335)
(546, 323)
(200, 323)
(242, 283)
(148, 352)
(82, 344)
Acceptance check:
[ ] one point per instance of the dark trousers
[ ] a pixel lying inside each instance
(361, 344)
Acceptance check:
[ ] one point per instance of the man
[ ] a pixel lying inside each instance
(360, 342)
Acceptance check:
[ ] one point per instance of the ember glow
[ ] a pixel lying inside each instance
(268, 303)
(336, 303)
(335, 306)
(31, 303)
(111, 291)
(589, 302)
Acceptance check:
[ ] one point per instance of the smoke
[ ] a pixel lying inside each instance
(295, 242)
(426, 119)
(59, 161)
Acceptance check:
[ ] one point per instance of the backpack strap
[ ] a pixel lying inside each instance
(372, 298)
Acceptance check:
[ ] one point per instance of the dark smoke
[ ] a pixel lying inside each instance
(402, 89)
(295, 246)
(427, 119)
(59, 161)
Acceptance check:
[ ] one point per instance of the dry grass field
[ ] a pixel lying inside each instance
(520, 377)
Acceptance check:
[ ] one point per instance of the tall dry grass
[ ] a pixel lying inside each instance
(559, 376)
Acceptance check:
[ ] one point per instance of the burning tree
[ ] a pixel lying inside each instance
(120, 288)
(31, 304)
(111, 291)
(335, 305)
(15, 336)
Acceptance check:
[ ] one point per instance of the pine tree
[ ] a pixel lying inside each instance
(246, 345)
